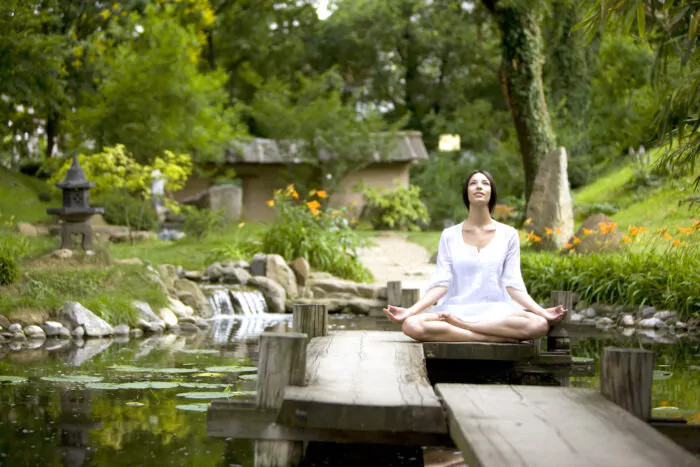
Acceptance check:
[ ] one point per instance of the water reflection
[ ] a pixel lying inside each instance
(67, 424)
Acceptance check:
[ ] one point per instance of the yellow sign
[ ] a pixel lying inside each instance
(449, 143)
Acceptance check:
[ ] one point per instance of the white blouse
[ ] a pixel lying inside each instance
(476, 280)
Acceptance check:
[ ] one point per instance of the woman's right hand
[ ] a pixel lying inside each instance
(397, 314)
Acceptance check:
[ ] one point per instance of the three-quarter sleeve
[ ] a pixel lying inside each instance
(443, 270)
(512, 277)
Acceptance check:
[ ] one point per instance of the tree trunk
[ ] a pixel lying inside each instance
(52, 120)
(521, 47)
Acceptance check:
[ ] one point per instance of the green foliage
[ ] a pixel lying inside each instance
(397, 209)
(107, 291)
(126, 209)
(324, 238)
(666, 279)
(234, 249)
(200, 223)
(116, 168)
(152, 94)
(9, 271)
(585, 210)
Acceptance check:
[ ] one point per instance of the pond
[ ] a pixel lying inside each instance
(142, 402)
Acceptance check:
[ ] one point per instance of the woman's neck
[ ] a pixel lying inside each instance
(478, 217)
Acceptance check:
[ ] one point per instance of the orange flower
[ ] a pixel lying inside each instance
(295, 195)
(270, 202)
(612, 225)
(536, 239)
(664, 404)
(642, 230)
(321, 194)
(626, 239)
(568, 245)
(576, 240)
(586, 232)
(548, 231)
(604, 227)
(696, 223)
(687, 231)
(676, 243)
(314, 205)
(633, 231)
(667, 236)
(558, 231)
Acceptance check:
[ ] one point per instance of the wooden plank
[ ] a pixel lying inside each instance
(479, 351)
(626, 377)
(687, 436)
(366, 381)
(498, 425)
(245, 421)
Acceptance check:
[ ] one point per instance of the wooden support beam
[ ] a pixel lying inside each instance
(409, 297)
(311, 320)
(479, 351)
(282, 362)
(626, 376)
(557, 338)
(393, 293)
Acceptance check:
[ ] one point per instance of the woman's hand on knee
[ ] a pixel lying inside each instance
(555, 314)
(396, 314)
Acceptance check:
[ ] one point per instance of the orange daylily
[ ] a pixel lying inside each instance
(626, 239)
(667, 236)
(576, 240)
(568, 245)
(548, 231)
(586, 232)
(676, 243)
(314, 205)
(604, 227)
(558, 230)
(321, 194)
(536, 239)
(686, 231)
(270, 202)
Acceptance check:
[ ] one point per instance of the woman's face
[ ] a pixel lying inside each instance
(479, 190)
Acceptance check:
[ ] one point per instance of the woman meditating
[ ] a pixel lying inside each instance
(476, 281)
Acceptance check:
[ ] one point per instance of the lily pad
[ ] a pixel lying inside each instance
(203, 385)
(13, 379)
(193, 407)
(232, 369)
(106, 386)
(582, 360)
(135, 369)
(72, 379)
(135, 404)
(207, 395)
(199, 351)
(209, 375)
(149, 385)
(249, 377)
(662, 375)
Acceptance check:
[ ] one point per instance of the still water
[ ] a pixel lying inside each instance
(142, 402)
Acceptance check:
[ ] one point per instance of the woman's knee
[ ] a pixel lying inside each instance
(538, 327)
(413, 327)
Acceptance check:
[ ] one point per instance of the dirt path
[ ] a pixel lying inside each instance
(393, 258)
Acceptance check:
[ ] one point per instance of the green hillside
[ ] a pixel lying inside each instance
(19, 197)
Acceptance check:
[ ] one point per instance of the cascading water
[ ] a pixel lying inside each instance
(238, 313)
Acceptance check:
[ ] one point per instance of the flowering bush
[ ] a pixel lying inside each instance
(303, 228)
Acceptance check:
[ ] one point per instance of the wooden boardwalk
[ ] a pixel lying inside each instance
(372, 387)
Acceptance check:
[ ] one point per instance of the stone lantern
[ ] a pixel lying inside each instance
(76, 210)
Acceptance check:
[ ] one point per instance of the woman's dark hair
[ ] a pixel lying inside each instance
(465, 189)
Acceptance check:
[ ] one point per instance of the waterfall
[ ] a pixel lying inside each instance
(235, 300)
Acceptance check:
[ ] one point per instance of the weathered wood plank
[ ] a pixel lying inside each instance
(311, 320)
(227, 419)
(479, 351)
(626, 377)
(366, 381)
(550, 426)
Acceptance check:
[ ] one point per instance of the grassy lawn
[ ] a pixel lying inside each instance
(19, 198)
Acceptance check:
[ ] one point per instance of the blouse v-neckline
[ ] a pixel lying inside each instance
(478, 250)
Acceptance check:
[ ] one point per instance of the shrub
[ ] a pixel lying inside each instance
(585, 210)
(201, 222)
(306, 230)
(399, 209)
(664, 278)
(124, 209)
(9, 272)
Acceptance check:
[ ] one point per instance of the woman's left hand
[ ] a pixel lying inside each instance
(555, 314)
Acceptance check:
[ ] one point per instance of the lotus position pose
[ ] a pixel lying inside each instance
(476, 282)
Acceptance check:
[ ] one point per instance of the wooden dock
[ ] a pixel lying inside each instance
(373, 387)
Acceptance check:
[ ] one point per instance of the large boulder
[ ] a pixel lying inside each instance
(190, 294)
(27, 230)
(277, 270)
(550, 205)
(145, 313)
(233, 275)
(168, 274)
(597, 233)
(73, 315)
(179, 309)
(301, 270)
(274, 293)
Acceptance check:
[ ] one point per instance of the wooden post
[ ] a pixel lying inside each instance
(558, 337)
(282, 362)
(409, 297)
(393, 293)
(626, 376)
(311, 320)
